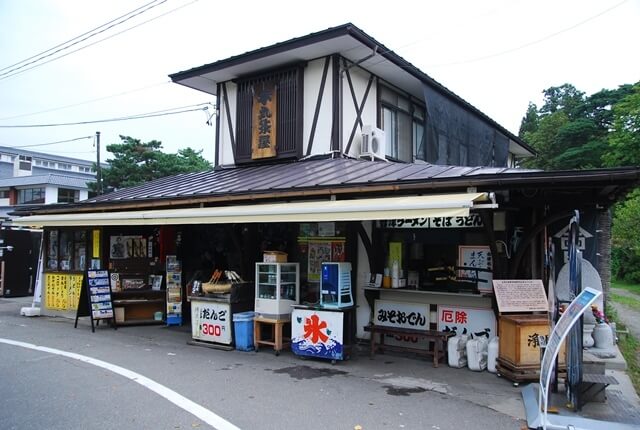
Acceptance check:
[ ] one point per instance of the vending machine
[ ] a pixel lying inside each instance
(335, 285)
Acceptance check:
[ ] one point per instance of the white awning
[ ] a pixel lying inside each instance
(311, 211)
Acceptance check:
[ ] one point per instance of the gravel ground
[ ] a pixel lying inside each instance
(630, 317)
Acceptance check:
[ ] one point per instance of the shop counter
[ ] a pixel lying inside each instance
(442, 311)
(430, 296)
(327, 333)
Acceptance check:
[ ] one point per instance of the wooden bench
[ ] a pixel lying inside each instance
(439, 339)
(277, 340)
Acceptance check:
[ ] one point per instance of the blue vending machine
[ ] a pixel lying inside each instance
(335, 285)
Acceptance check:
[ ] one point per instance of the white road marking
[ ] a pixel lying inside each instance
(201, 412)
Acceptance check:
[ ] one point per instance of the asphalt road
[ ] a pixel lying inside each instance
(250, 390)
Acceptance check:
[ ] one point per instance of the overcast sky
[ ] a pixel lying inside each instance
(497, 55)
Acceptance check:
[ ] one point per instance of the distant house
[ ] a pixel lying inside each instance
(36, 178)
(31, 179)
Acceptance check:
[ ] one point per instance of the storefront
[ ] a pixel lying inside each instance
(433, 254)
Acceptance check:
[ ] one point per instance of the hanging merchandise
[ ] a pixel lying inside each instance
(174, 291)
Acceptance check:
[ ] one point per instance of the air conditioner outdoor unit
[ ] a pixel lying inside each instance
(373, 143)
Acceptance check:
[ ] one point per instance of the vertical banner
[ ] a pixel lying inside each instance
(96, 243)
(263, 121)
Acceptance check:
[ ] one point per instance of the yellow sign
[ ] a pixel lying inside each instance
(62, 291)
(263, 121)
(96, 243)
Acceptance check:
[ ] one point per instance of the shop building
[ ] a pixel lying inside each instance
(332, 148)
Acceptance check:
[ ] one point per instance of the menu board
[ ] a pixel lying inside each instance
(520, 295)
(95, 298)
(100, 294)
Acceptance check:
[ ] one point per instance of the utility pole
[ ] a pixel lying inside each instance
(98, 168)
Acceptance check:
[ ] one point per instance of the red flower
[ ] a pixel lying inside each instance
(313, 329)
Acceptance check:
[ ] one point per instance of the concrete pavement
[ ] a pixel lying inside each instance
(400, 380)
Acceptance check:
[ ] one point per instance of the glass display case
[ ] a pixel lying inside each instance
(277, 288)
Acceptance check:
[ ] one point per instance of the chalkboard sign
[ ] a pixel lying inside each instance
(95, 298)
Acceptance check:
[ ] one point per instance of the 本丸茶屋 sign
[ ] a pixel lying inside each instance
(263, 119)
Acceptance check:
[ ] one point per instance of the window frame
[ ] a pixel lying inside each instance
(74, 257)
(417, 115)
(23, 191)
(74, 198)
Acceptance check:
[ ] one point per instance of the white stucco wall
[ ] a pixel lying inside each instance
(312, 83)
(51, 194)
(225, 154)
(359, 79)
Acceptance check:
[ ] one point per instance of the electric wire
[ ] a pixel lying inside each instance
(73, 42)
(97, 41)
(85, 101)
(508, 51)
(164, 112)
(77, 37)
(533, 42)
(52, 143)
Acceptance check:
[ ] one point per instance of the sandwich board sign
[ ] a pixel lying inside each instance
(95, 298)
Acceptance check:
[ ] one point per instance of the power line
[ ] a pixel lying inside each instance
(86, 101)
(98, 41)
(73, 42)
(53, 143)
(172, 111)
(534, 42)
(77, 37)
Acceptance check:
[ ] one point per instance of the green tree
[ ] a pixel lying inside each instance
(544, 141)
(563, 98)
(625, 246)
(135, 162)
(624, 139)
(530, 120)
(570, 130)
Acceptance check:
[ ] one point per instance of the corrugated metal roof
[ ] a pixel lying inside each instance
(295, 176)
(51, 179)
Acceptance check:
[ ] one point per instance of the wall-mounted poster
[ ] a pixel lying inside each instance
(319, 252)
(479, 257)
(127, 247)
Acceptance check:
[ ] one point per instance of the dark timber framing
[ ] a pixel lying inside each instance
(318, 104)
(225, 97)
(335, 121)
(217, 143)
(359, 109)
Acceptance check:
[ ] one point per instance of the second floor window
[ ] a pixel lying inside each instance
(66, 195)
(25, 162)
(31, 196)
(403, 122)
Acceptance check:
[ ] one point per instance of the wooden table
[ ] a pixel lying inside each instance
(277, 340)
(439, 339)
